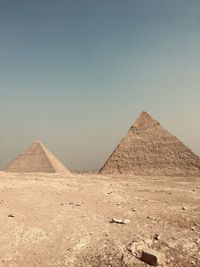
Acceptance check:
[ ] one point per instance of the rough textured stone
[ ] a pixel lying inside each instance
(149, 149)
(37, 159)
(153, 257)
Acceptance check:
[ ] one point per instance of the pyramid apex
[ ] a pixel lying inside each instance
(38, 141)
(144, 114)
(144, 121)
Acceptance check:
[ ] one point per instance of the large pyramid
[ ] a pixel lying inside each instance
(149, 149)
(37, 159)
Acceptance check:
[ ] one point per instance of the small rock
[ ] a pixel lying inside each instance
(118, 204)
(193, 228)
(120, 221)
(11, 215)
(150, 218)
(148, 241)
(184, 208)
(197, 241)
(126, 221)
(116, 221)
(153, 257)
(136, 247)
(156, 237)
(172, 244)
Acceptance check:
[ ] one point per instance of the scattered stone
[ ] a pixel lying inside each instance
(148, 241)
(193, 228)
(11, 215)
(153, 257)
(189, 246)
(78, 205)
(136, 248)
(126, 221)
(172, 244)
(120, 221)
(156, 237)
(196, 258)
(151, 218)
(71, 203)
(197, 241)
(184, 208)
(61, 204)
(133, 209)
(118, 204)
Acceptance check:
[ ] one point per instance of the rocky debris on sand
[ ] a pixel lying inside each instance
(153, 257)
(136, 247)
(148, 241)
(156, 236)
(11, 215)
(119, 221)
(197, 241)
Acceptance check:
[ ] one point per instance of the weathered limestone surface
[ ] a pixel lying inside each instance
(149, 149)
(37, 159)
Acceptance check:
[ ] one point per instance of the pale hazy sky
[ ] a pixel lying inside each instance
(75, 74)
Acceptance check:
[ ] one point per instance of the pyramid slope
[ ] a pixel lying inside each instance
(37, 159)
(149, 149)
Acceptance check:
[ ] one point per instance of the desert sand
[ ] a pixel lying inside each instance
(60, 220)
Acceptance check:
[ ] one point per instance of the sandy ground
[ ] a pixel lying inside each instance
(55, 220)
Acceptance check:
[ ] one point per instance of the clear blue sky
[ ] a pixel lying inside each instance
(76, 74)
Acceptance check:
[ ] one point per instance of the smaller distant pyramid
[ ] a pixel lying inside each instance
(37, 159)
(149, 149)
